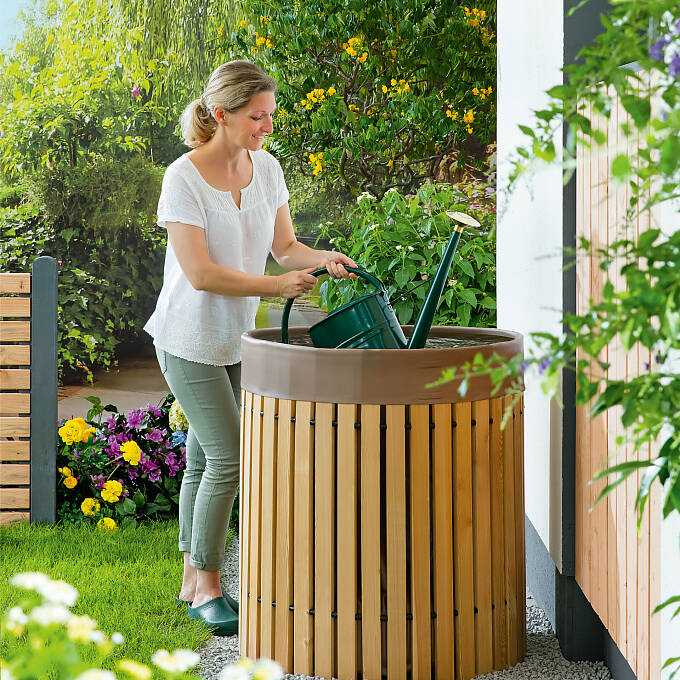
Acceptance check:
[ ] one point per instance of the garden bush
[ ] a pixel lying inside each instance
(400, 239)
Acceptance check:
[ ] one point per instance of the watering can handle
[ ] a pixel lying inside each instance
(318, 272)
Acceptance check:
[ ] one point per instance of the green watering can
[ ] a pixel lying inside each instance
(369, 322)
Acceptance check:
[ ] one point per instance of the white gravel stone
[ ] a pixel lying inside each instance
(543, 661)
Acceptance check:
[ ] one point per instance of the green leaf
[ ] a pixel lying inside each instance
(638, 107)
(621, 167)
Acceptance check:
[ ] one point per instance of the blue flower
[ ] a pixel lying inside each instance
(178, 438)
(545, 362)
(523, 366)
(656, 50)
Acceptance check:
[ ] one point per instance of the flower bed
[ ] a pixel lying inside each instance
(122, 468)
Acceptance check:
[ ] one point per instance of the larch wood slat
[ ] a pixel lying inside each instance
(655, 518)
(324, 539)
(521, 572)
(371, 637)
(15, 499)
(497, 542)
(395, 464)
(442, 546)
(284, 536)
(481, 482)
(420, 542)
(15, 283)
(19, 426)
(255, 531)
(7, 518)
(15, 331)
(510, 526)
(15, 355)
(303, 560)
(347, 542)
(462, 529)
(15, 307)
(14, 451)
(268, 551)
(244, 499)
(15, 473)
(14, 403)
(15, 379)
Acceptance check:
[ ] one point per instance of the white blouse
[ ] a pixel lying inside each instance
(197, 325)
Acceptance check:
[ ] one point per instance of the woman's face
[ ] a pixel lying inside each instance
(249, 125)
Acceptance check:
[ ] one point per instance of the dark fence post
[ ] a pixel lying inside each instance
(43, 390)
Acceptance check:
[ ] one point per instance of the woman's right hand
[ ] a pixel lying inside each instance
(296, 283)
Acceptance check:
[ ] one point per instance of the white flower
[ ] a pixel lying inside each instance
(372, 227)
(5, 673)
(266, 669)
(49, 614)
(452, 282)
(96, 674)
(234, 673)
(117, 639)
(398, 247)
(367, 195)
(411, 248)
(97, 637)
(79, 628)
(30, 580)
(180, 661)
(58, 592)
(391, 190)
(17, 615)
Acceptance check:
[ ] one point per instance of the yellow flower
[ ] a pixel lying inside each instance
(331, 90)
(475, 91)
(137, 670)
(473, 22)
(393, 82)
(467, 11)
(70, 482)
(469, 129)
(390, 163)
(353, 107)
(65, 471)
(482, 14)
(131, 452)
(469, 117)
(384, 88)
(242, 23)
(75, 430)
(393, 53)
(106, 523)
(362, 58)
(260, 41)
(220, 30)
(112, 491)
(269, 43)
(90, 506)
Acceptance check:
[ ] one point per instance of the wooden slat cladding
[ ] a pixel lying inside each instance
(15, 379)
(15, 307)
(15, 283)
(373, 541)
(14, 451)
(617, 568)
(15, 355)
(14, 403)
(15, 331)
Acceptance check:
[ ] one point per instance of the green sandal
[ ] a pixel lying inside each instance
(216, 614)
(230, 601)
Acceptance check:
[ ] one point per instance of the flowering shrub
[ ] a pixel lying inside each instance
(401, 240)
(124, 469)
(41, 638)
(374, 99)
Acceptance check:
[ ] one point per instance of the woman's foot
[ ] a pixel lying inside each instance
(216, 614)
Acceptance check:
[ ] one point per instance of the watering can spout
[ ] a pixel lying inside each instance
(421, 328)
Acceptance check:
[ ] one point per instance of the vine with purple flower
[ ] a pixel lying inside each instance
(126, 467)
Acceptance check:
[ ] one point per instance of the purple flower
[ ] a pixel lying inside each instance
(656, 50)
(98, 481)
(111, 422)
(545, 362)
(155, 436)
(523, 366)
(132, 473)
(135, 418)
(153, 410)
(674, 66)
(135, 91)
(154, 475)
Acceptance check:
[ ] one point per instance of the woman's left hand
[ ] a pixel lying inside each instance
(334, 263)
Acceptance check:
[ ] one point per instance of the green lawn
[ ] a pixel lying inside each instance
(126, 580)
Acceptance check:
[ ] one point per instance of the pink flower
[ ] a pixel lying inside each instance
(135, 91)
(59, 261)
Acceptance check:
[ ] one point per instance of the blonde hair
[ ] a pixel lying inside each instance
(231, 86)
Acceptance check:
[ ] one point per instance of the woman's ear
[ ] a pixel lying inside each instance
(220, 115)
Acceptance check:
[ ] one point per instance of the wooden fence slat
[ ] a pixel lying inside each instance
(481, 481)
(442, 544)
(521, 573)
(15, 283)
(15, 451)
(284, 536)
(15, 331)
(324, 538)
(15, 307)
(395, 475)
(15, 379)
(244, 517)
(255, 608)
(370, 542)
(15, 499)
(15, 355)
(463, 553)
(347, 637)
(268, 568)
(14, 403)
(13, 517)
(15, 473)
(19, 426)
(304, 539)
(421, 609)
(497, 542)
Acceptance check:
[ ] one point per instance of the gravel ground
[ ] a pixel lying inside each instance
(544, 660)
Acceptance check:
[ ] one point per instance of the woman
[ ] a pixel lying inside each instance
(225, 206)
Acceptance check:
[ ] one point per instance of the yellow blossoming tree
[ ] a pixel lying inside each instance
(375, 97)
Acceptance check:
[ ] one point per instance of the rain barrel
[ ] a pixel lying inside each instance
(381, 520)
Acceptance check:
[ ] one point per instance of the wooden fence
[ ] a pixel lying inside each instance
(617, 568)
(28, 393)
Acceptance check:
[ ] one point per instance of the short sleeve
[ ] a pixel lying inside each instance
(282, 194)
(178, 203)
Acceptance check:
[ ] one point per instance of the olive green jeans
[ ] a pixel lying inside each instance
(210, 397)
